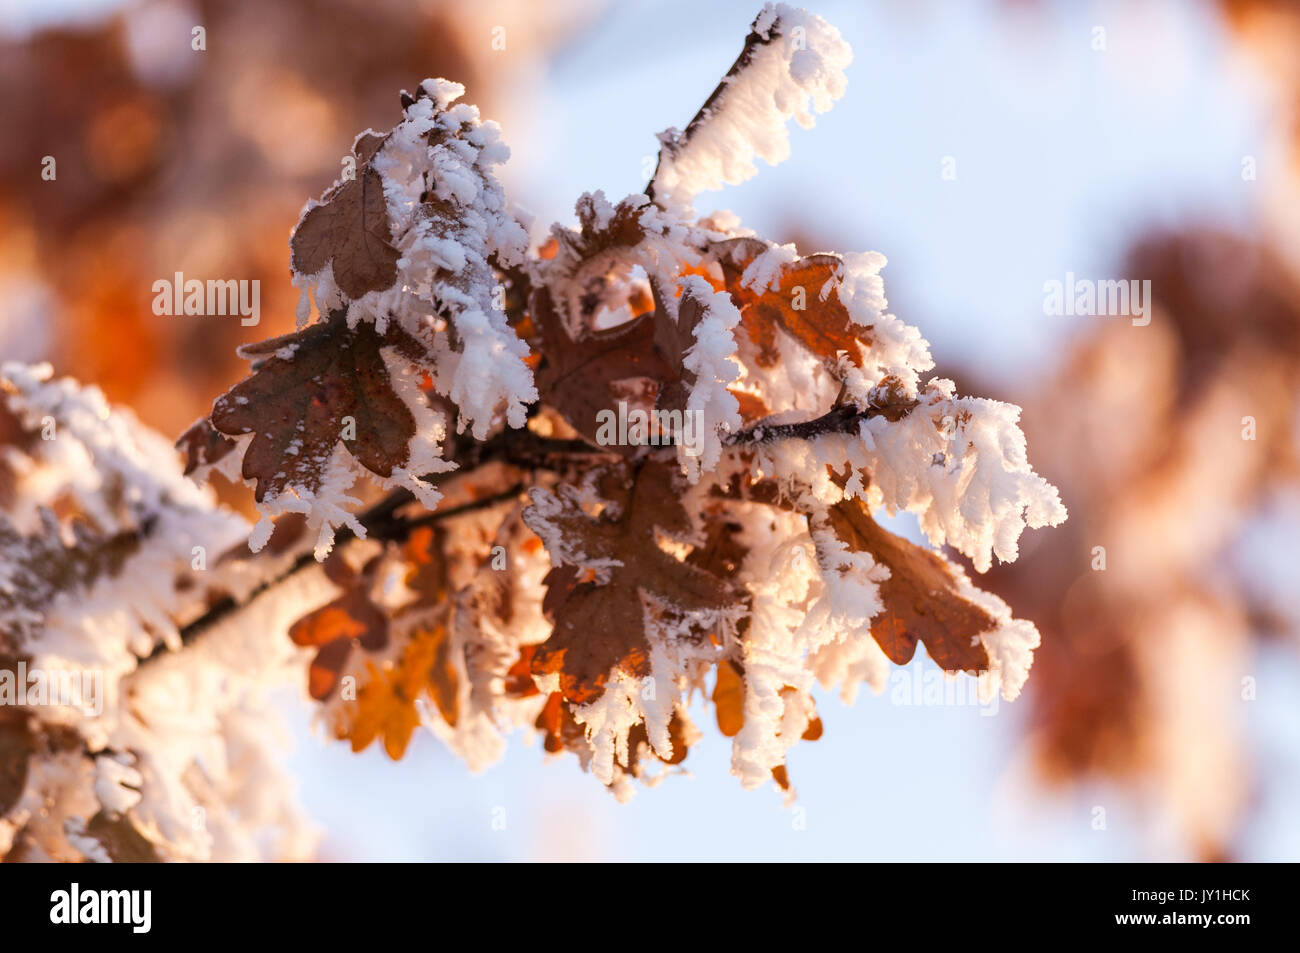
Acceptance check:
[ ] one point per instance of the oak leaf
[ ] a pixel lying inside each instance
(429, 657)
(601, 625)
(823, 324)
(350, 228)
(638, 739)
(16, 746)
(672, 339)
(601, 230)
(729, 699)
(386, 705)
(333, 629)
(426, 567)
(578, 375)
(203, 445)
(921, 597)
(382, 711)
(302, 387)
(559, 728)
(121, 840)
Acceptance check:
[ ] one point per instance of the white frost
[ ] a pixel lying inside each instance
(796, 69)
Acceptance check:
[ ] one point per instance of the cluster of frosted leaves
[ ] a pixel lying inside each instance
(745, 562)
(401, 258)
(106, 552)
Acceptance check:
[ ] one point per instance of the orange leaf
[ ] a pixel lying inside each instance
(729, 699)
(519, 677)
(921, 597)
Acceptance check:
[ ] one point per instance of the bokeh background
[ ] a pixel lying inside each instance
(1146, 139)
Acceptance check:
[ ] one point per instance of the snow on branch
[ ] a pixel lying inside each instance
(791, 67)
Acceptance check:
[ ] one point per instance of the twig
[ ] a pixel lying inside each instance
(530, 451)
(379, 523)
(752, 42)
(842, 419)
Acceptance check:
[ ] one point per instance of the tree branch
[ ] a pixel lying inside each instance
(380, 523)
(681, 139)
(530, 451)
(842, 419)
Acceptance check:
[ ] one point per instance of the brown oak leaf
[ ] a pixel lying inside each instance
(638, 740)
(16, 746)
(302, 386)
(426, 567)
(752, 407)
(577, 376)
(203, 445)
(722, 553)
(350, 228)
(921, 597)
(596, 235)
(518, 681)
(822, 325)
(600, 626)
(672, 339)
(559, 728)
(121, 839)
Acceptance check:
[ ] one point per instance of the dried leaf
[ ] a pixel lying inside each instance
(729, 699)
(823, 325)
(597, 235)
(15, 752)
(382, 711)
(577, 376)
(672, 339)
(602, 626)
(638, 737)
(559, 728)
(921, 598)
(350, 228)
(426, 573)
(431, 653)
(296, 398)
(351, 619)
(119, 837)
(386, 703)
(519, 677)
(203, 445)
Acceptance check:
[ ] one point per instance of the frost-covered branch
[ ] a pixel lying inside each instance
(380, 524)
(843, 419)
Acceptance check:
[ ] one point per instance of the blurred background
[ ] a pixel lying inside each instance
(985, 149)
